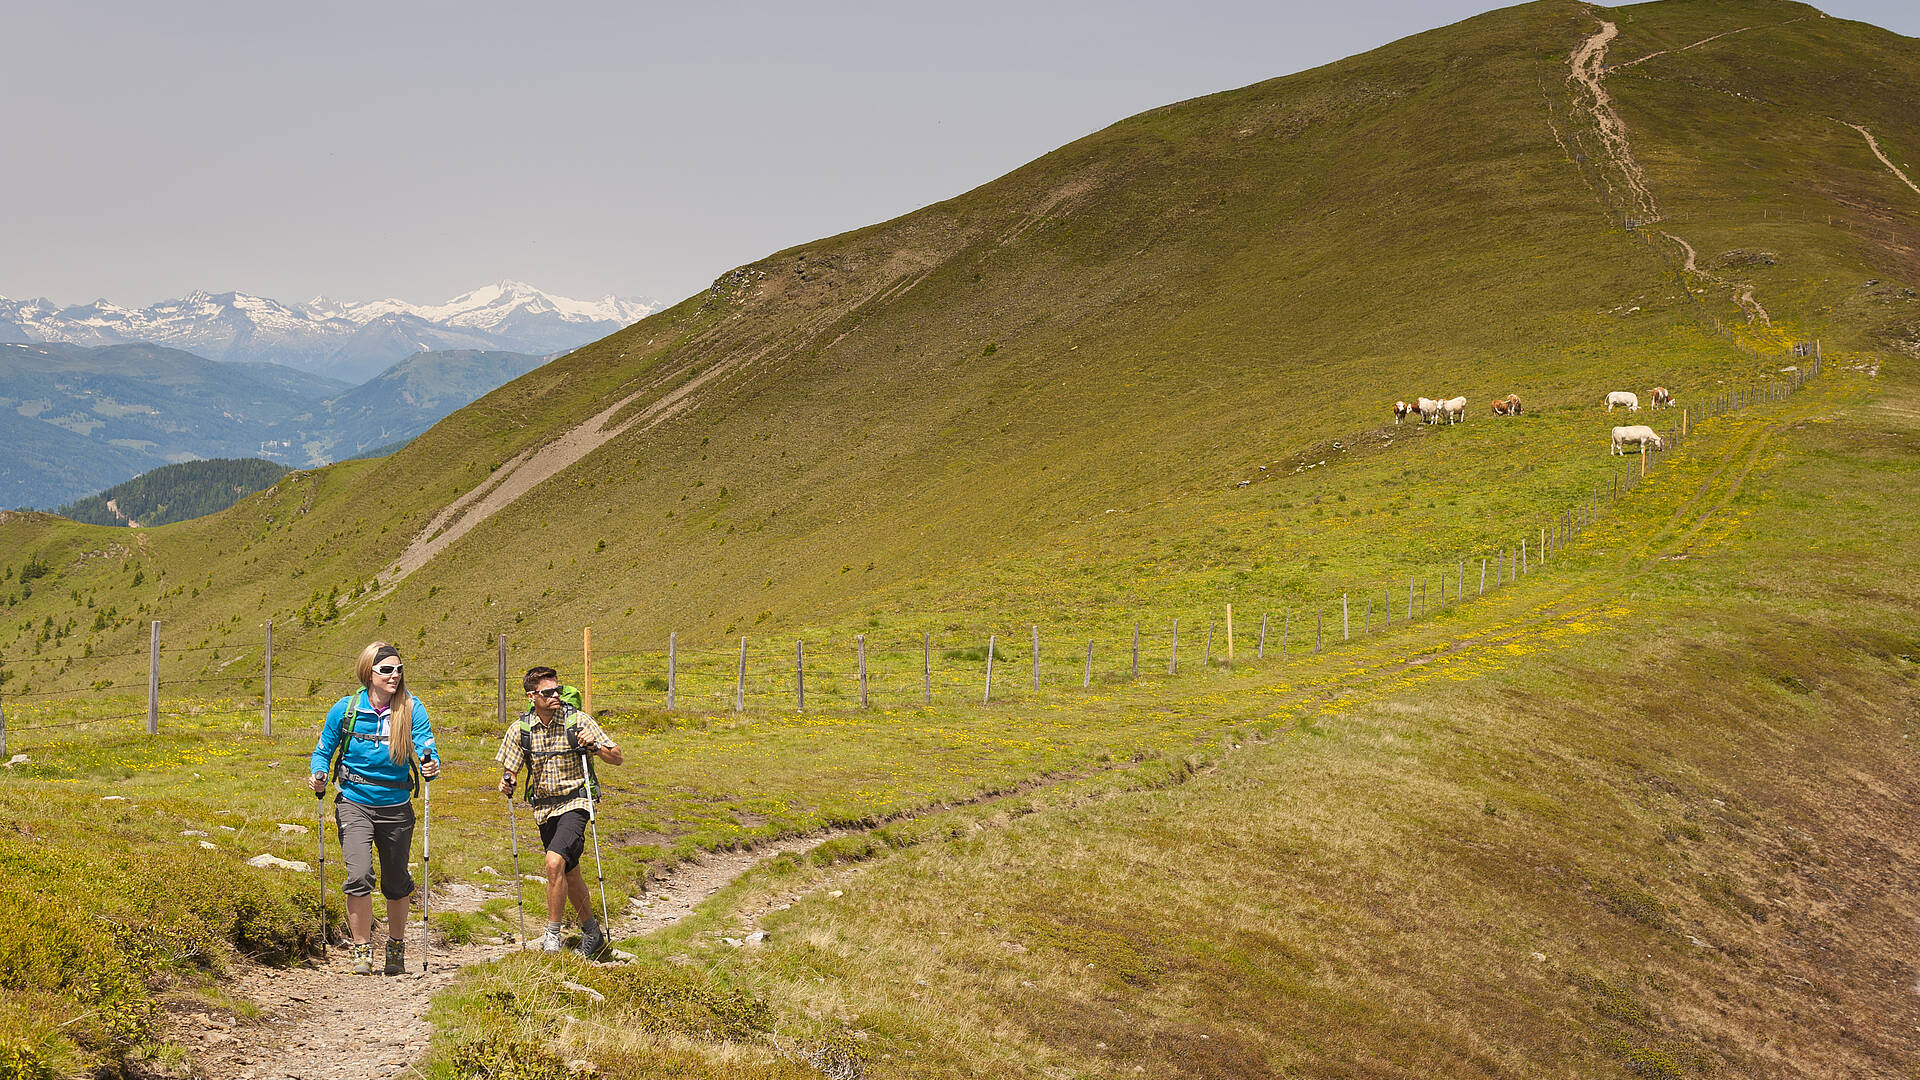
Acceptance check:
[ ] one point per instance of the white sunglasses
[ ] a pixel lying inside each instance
(388, 669)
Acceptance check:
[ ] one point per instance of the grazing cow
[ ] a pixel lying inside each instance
(1637, 435)
(1400, 411)
(1454, 409)
(1623, 397)
(1507, 406)
(1662, 396)
(1429, 409)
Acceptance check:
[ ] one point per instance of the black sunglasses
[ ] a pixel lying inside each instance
(549, 692)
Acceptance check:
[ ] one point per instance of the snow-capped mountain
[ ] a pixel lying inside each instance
(350, 340)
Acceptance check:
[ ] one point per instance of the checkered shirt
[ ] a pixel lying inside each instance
(554, 770)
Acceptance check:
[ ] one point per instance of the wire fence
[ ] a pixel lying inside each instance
(888, 669)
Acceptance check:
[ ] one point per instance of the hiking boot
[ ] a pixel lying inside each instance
(592, 940)
(362, 953)
(547, 942)
(396, 957)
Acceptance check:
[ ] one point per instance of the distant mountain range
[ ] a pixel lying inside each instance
(75, 420)
(347, 340)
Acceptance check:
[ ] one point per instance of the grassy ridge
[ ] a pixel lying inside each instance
(1140, 319)
(1619, 821)
(1035, 404)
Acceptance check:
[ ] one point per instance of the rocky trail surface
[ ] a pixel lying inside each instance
(321, 1022)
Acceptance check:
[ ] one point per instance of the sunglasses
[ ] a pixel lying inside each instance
(549, 693)
(388, 669)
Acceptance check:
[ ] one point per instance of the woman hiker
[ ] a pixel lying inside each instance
(374, 741)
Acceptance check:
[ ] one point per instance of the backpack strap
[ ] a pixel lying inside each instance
(528, 753)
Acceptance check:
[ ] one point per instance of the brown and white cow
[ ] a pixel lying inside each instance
(1400, 411)
(1662, 396)
(1507, 406)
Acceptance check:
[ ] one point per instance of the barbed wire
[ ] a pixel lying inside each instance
(76, 723)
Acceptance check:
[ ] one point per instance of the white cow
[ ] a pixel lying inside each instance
(1454, 409)
(1623, 397)
(1636, 435)
(1429, 409)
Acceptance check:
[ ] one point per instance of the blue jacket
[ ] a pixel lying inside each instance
(367, 750)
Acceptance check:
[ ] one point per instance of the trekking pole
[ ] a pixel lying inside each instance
(592, 827)
(426, 869)
(320, 842)
(519, 885)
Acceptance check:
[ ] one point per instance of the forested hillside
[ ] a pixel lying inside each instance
(173, 493)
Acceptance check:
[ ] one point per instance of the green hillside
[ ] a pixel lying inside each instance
(956, 399)
(1142, 378)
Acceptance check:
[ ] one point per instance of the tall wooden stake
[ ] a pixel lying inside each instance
(501, 687)
(861, 641)
(673, 665)
(266, 690)
(989, 694)
(740, 680)
(153, 681)
(586, 672)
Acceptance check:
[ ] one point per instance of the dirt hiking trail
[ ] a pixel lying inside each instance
(322, 1022)
(1587, 72)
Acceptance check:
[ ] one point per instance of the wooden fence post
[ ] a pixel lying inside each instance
(1346, 628)
(926, 665)
(800, 675)
(1087, 680)
(586, 671)
(3, 729)
(1460, 585)
(1036, 657)
(1229, 637)
(1173, 657)
(266, 691)
(1409, 597)
(1523, 556)
(1136, 651)
(1483, 575)
(501, 686)
(989, 692)
(153, 680)
(1262, 654)
(1316, 631)
(861, 641)
(673, 660)
(740, 680)
(1286, 628)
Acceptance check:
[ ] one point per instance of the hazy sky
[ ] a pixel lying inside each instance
(417, 149)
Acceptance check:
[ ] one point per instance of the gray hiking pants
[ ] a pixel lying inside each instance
(363, 829)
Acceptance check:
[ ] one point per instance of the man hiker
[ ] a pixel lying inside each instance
(556, 743)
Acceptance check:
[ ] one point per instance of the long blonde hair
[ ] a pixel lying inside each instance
(400, 720)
